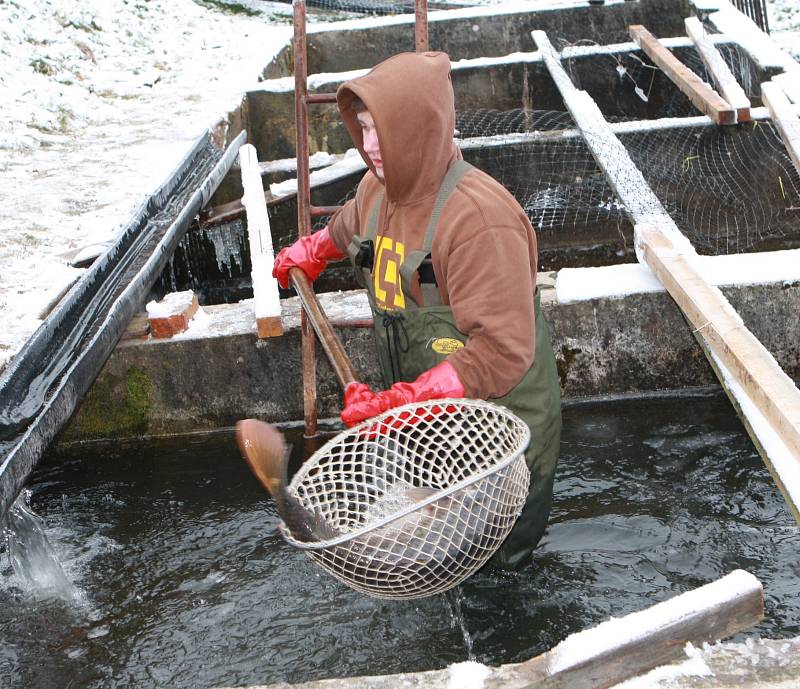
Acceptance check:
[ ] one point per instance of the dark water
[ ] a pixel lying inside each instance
(184, 581)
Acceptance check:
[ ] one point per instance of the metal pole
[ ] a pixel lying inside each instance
(421, 25)
(304, 208)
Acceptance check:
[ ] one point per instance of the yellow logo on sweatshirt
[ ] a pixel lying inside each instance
(389, 256)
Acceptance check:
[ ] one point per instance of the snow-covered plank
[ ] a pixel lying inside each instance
(784, 117)
(790, 83)
(704, 98)
(737, 26)
(619, 649)
(266, 299)
(670, 255)
(723, 77)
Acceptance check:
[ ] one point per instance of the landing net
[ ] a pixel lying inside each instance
(422, 495)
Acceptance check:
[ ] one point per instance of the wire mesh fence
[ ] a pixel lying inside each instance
(729, 189)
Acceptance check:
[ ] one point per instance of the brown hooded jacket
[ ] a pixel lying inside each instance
(484, 251)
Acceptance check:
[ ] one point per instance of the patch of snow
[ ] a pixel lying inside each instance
(199, 326)
(580, 284)
(694, 666)
(350, 163)
(467, 675)
(172, 303)
(101, 99)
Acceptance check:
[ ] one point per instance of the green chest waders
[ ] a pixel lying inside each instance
(414, 339)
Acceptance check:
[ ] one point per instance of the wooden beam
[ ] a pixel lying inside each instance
(670, 255)
(620, 649)
(723, 77)
(266, 299)
(773, 392)
(704, 98)
(784, 117)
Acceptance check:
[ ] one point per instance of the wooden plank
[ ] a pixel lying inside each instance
(661, 245)
(773, 392)
(704, 98)
(778, 459)
(620, 649)
(784, 117)
(265, 287)
(723, 77)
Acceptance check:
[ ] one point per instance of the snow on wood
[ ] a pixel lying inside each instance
(604, 282)
(719, 70)
(744, 31)
(265, 287)
(661, 245)
(784, 117)
(622, 648)
(790, 83)
(351, 163)
(699, 92)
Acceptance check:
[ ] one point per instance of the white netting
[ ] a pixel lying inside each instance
(421, 496)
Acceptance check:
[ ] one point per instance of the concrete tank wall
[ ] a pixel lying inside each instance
(476, 33)
(636, 344)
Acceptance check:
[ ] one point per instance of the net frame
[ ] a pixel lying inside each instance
(429, 545)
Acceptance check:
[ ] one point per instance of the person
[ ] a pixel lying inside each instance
(448, 259)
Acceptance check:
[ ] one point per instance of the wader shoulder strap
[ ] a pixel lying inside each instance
(358, 245)
(414, 259)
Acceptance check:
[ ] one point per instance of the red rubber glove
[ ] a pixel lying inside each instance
(310, 253)
(436, 383)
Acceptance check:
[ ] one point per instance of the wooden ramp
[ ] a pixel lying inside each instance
(670, 255)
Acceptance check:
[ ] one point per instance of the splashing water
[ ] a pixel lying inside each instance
(454, 598)
(32, 557)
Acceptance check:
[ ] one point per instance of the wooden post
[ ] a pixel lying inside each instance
(704, 98)
(723, 77)
(670, 255)
(784, 118)
(266, 299)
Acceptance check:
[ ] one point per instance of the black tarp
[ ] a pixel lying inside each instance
(45, 381)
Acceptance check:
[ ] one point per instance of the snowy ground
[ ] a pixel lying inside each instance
(100, 100)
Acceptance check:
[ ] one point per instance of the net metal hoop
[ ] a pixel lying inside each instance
(470, 453)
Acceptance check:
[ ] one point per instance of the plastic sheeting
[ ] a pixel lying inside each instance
(43, 384)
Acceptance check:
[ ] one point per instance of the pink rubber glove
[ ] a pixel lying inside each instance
(436, 383)
(310, 253)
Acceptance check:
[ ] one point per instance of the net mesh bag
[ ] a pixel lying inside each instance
(419, 497)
